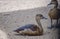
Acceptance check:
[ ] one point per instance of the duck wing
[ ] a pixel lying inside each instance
(28, 26)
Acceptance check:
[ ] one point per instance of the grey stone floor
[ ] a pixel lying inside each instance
(13, 20)
(12, 17)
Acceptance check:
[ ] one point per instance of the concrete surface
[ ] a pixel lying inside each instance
(3, 35)
(11, 5)
(14, 14)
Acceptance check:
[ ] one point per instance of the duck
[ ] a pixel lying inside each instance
(32, 29)
(54, 13)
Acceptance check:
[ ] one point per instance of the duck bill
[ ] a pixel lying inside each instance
(44, 18)
(50, 3)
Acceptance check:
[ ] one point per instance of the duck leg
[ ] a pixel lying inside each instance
(57, 22)
(51, 22)
(56, 26)
(51, 25)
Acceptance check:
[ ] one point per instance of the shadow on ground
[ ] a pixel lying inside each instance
(59, 30)
(58, 27)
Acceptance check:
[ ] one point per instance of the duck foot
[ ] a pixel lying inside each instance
(50, 27)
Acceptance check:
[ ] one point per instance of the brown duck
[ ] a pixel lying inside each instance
(54, 13)
(32, 29)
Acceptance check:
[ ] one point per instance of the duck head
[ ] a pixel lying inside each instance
(53, 4)
(40, 16)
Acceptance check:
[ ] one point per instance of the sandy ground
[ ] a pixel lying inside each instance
(11, 20)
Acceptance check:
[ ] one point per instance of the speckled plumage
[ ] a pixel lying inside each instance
(54, 13)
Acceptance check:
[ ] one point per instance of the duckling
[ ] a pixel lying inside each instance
(32, 29)
(54, 13)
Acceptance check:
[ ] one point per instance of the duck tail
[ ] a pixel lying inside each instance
(16, 31)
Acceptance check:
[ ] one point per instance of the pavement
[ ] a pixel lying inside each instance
(13, 16)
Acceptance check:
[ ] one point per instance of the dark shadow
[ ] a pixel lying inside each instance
(19, 35)
(59, 31)
(58, 27)
(26, 35)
